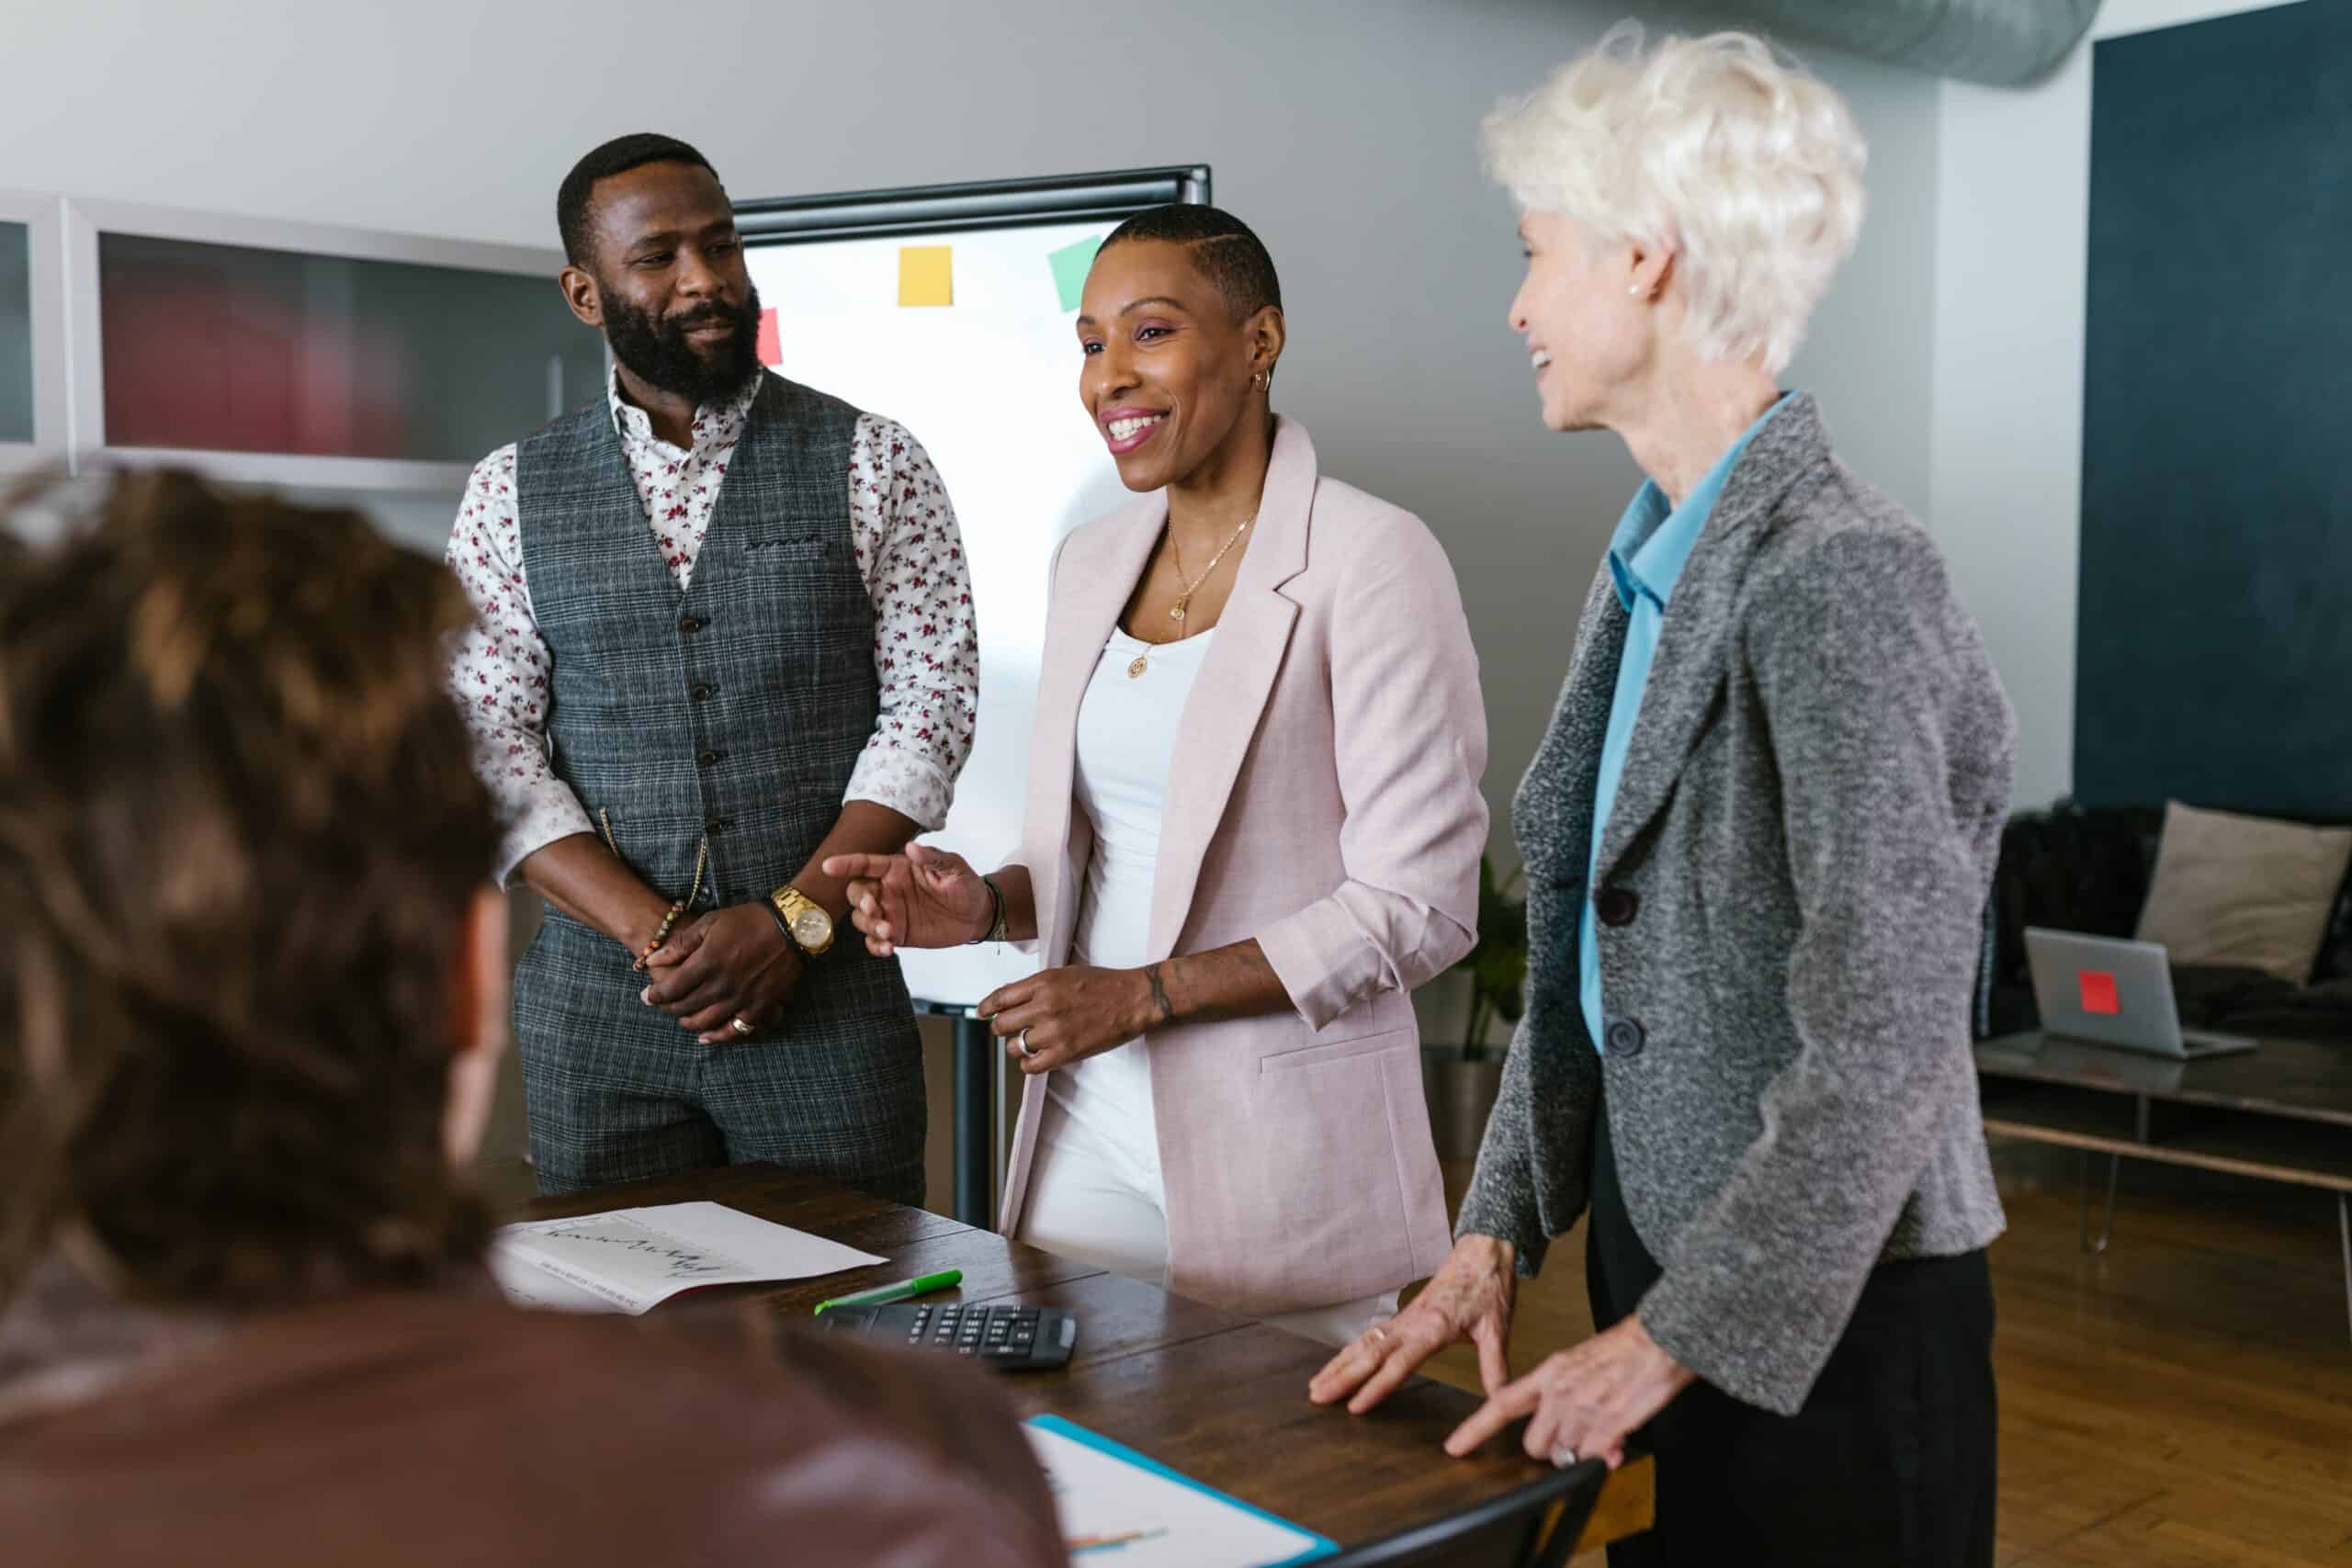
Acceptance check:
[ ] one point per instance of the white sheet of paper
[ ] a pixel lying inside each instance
(1168, 1524)
(633, 1259)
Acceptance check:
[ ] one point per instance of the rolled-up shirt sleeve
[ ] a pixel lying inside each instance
(499, 670)
(926, 638)
(1411, 736)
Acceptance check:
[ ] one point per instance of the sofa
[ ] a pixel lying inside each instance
(2079, 869)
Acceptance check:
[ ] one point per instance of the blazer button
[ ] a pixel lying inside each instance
(688, 624)
(702, 690)
(1616, 905)
(713, 824)
(706, 758)
(1626, 1037)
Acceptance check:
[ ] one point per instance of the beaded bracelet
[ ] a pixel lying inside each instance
(702, 863)
(996, 917)
(660, 935)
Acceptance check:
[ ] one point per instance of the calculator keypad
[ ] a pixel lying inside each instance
(1002, 1335)
(997, 1332)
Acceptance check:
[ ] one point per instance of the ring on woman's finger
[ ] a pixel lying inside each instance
(1377, 1333)
(1023, 1041)
(1563, 1457)
(740, 1026)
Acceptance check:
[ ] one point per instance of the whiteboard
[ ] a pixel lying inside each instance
(988, 384)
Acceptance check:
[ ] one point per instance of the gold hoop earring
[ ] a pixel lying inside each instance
(1264, 380)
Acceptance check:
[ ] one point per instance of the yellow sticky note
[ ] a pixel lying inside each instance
(926, 275)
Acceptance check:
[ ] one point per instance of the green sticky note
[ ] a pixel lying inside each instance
(1070, 264)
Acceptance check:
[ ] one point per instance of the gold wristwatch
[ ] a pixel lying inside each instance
(805, 919)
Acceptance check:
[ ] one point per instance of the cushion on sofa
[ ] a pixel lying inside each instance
(2244, 892)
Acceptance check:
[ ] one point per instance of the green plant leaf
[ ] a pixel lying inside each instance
(1497, 964)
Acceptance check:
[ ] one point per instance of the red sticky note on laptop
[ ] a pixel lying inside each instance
(2098, 992)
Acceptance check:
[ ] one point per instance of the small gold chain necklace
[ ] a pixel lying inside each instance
(1191, 585)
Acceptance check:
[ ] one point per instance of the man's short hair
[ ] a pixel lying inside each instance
(1226, 251)
(575, 217)
(239, 830)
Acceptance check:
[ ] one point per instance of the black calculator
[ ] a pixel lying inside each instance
(1009, 1338)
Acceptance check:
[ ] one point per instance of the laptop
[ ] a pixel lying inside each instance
(2114, 992)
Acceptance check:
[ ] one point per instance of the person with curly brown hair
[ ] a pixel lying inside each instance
(251, 1000)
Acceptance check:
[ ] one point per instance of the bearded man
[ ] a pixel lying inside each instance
(725, 633)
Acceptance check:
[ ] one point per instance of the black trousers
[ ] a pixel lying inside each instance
(1888, 1465)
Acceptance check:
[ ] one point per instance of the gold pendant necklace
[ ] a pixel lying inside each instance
(1142, 662)
(1192, 584)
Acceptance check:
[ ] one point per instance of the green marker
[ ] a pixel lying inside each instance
(883, 1295)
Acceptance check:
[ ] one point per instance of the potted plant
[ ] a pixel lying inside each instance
(1463, 1078)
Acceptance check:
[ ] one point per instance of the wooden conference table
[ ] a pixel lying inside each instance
(1217, 1396)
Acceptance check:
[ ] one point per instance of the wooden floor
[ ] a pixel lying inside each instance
(2184, 1401)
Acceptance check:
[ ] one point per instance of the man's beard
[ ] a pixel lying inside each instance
(657, 352)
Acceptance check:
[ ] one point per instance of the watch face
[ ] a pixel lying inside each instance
(812, 927)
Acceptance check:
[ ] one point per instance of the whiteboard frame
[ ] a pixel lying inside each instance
(84, 221)
(978, 204)
(1107, 197)
(51, 445)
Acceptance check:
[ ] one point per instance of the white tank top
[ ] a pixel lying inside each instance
(1127, 745)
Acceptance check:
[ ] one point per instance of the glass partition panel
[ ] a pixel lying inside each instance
(229, 348)
(16, 334)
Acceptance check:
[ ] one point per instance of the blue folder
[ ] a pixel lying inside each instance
(1077, 1434)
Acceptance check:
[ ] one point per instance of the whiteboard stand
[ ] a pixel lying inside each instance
(976, 1055)
(980, 361)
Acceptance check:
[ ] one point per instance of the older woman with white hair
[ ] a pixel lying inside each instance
(1761, 833)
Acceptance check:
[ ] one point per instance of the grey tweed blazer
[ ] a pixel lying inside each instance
(1789, 890)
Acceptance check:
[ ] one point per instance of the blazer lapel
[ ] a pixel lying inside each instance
(1229, 695)
(1552, 813)
(1686, 680)
(1103, 570)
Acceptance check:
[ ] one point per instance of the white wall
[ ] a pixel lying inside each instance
(2013, 225)
(1344, 129)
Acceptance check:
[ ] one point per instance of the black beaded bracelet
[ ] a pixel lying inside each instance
(996, 916)
(778, 916)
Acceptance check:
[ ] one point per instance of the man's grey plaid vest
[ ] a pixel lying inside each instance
(730, 713)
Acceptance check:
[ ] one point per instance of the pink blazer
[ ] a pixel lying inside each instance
(1324, 801)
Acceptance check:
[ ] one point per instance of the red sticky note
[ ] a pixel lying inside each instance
(771, 339)
(2098, 992)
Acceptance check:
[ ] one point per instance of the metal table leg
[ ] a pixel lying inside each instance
(2343, 1228)
(976, 1057)
(2107, 1221)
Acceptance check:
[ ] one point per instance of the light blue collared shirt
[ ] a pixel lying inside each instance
(1645, 557)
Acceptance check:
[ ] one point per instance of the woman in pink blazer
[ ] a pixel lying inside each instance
(1253, 829)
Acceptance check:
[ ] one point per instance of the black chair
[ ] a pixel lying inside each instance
(1536, 1527)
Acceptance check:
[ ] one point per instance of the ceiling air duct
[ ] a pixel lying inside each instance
(2004, 43)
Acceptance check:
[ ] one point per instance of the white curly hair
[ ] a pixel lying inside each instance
(1747, 166)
